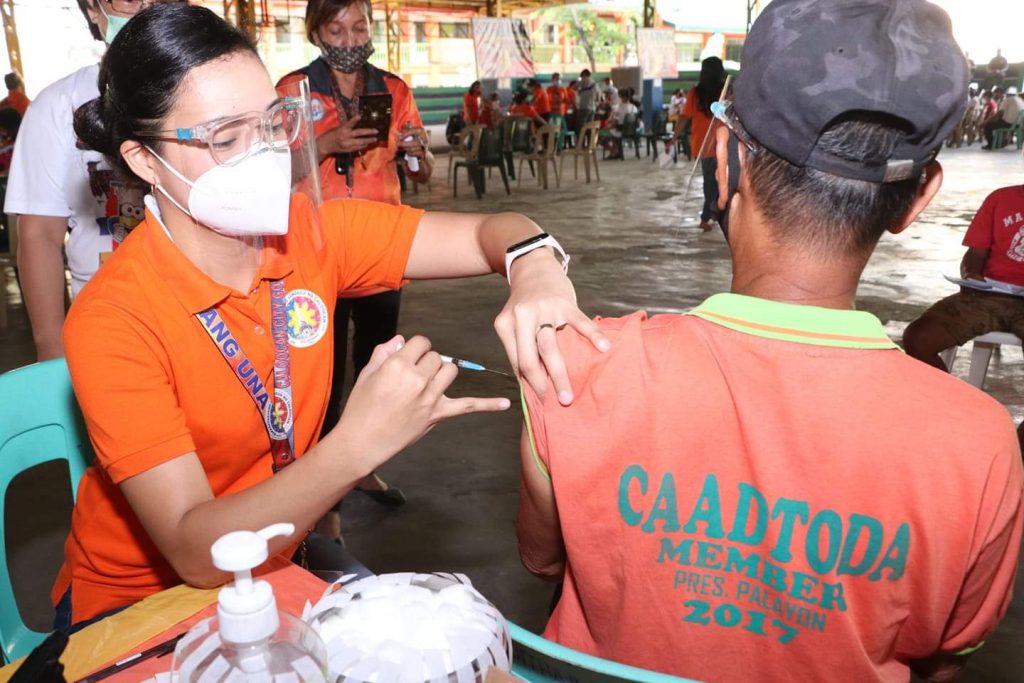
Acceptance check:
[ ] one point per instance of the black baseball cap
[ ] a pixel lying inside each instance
(808, 62)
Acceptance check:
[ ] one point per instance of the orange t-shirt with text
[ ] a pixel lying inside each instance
(743, 498)
(153, 386)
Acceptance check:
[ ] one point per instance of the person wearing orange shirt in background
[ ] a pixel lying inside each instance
(540, 99)
(16, 98)
(201, 353)
(520, 107)
(490, 113)
(698, 110)
(354, 164)
(471, 104)
(557, 95)
(769, 480)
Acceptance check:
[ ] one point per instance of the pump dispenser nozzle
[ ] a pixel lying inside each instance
(246, 609)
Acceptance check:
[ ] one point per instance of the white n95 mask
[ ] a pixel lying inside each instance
(250, 198)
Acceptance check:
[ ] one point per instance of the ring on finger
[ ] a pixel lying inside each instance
(543, 326)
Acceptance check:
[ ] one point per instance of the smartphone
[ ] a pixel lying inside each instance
(375, 112)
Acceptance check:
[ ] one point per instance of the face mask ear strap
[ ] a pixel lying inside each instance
(167, 165)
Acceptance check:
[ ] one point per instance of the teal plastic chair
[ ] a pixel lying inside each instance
(537, 660)
(1002, 136)
(39, 422)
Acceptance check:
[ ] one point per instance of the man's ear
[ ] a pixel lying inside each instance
(929, 187)
(140, 160)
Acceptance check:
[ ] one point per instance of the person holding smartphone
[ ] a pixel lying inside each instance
(356, 163)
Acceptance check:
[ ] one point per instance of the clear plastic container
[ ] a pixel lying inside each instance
(293, 650)
(249, 640)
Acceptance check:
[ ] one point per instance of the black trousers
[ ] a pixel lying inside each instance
(376, 320)
(992, 126)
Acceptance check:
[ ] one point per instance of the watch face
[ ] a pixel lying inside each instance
(527, 242)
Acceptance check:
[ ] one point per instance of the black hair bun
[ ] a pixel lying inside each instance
(92, 128)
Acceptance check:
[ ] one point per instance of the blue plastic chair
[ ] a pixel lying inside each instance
(39, 422)
(537, 660)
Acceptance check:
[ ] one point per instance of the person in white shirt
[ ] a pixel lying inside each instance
(1006, 116)
(55, 187)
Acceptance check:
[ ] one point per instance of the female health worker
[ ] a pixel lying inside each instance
(201, 353)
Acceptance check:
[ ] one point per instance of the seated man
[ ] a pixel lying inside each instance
(1010, 107)
(995, 249)
(768, 489)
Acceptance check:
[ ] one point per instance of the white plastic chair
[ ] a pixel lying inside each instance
(982, 354)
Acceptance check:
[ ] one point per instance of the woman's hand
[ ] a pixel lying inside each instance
(542, 301)
(411, 140)
(399, 397)
(345, 138)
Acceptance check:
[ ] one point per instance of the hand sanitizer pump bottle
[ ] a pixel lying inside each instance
(250, 639)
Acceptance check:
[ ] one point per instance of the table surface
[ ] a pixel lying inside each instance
(292, 585)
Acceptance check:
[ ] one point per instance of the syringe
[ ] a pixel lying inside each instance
(470, 365)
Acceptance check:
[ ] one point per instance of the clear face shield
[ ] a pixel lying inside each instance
(263, 189)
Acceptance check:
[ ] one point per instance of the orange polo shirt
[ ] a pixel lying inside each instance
(153, 386)
(558, 97)
(376, 172)
(471, 107)
(540, 101)
(760, 491)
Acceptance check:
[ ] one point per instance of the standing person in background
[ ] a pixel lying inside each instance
(675, 107)
(354, 164)
(540, 99)
(471, 104)
(698, 111)
(16, 98)
(587, 93)
(557, 95)
(55, 187)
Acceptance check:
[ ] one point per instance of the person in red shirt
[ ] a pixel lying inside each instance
(767, 488)
(540, 100)
(490, 113)
(471, 104)
(16, 98)
(995, 250)
(521, 107)
(557, 95)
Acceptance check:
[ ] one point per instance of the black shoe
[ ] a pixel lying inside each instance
(390, 497)
(987, 147)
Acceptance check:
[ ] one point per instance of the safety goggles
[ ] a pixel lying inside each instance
(231, 140)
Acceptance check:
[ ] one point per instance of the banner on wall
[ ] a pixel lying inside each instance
(656, 48)
(502, 48)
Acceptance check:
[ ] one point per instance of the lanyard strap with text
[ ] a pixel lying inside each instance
(275, 408)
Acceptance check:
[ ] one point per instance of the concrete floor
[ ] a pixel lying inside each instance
(634, 245)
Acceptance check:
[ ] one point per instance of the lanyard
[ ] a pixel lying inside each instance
(344, 114)
(276, 408)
